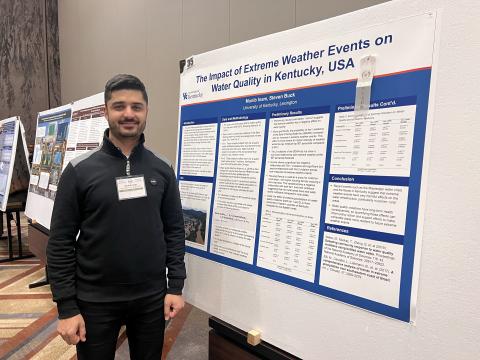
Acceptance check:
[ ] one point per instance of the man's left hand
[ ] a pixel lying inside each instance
(173, 305)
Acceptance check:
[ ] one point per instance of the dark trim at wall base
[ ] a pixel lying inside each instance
(238, 343)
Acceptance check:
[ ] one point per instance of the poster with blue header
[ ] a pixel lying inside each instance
(302, 159)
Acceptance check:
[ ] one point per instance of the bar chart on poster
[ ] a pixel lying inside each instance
(302, 163)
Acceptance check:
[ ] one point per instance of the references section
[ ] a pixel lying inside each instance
(362, 267)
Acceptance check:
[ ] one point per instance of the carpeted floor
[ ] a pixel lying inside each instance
(28, 318)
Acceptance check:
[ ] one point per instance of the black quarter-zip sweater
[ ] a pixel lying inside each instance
(124, 246)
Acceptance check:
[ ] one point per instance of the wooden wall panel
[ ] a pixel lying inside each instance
(29, 69)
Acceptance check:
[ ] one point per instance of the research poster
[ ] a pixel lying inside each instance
(49, 150)
(86, 127)
(301, 159)
(62, 134)
(13, 155)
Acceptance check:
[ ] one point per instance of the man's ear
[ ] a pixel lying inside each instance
(105, 111)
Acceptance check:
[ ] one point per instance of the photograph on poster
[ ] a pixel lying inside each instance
(195, 225)
(196, 204)
(52, 129)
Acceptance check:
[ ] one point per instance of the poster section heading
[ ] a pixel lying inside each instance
(315, 62)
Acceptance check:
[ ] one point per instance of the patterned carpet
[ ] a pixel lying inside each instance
(28, 317)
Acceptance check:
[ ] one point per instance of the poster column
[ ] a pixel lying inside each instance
(367, 200)
(196, 172)
(292, 191)
(234, 219)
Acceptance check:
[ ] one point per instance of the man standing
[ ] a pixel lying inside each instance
(123, 203)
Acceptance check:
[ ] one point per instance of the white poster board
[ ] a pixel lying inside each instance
(13, 155)
(283, 174)
(62, 134)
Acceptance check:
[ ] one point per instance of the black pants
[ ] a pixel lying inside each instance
(144, 320)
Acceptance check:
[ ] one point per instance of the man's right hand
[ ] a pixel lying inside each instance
(72, 330)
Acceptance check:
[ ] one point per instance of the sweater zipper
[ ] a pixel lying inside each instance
(127, 167)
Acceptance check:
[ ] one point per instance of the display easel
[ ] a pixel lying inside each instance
(15, 205)
(14, 163)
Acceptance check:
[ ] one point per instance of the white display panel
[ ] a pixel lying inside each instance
(13, 156)
(306, 188)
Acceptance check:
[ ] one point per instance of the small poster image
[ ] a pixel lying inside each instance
(196, 204)
(195, 225)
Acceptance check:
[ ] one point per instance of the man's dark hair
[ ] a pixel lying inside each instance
(124, 82)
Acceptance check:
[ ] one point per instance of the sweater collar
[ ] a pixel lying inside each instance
(110, 147)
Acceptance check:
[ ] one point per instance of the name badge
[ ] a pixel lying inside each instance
(131, 187)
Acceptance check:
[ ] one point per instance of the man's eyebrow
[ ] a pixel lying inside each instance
(121, 102)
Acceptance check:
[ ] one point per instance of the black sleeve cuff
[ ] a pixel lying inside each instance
(67, 308)
(175, 286)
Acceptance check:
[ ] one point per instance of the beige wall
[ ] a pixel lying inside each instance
(148, 38)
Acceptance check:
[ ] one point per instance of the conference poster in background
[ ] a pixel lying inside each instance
(14, 169)
(62, 134)
(283, 176)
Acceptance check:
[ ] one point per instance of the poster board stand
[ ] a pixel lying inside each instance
(14, 207)
(38, 239)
